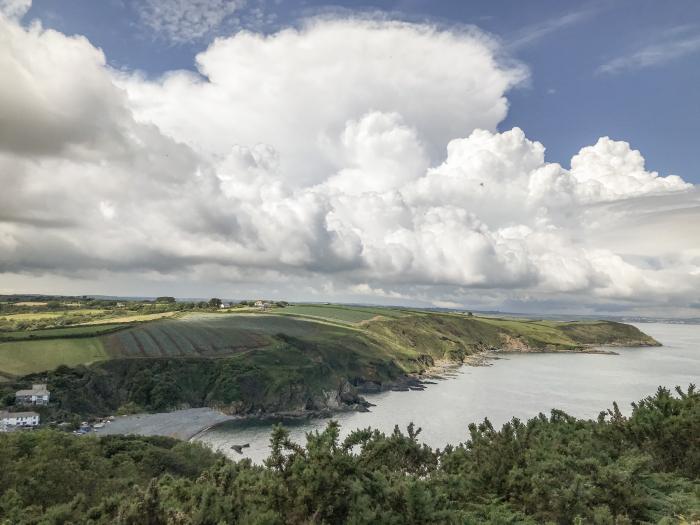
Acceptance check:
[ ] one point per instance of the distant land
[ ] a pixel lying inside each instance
(102, 356)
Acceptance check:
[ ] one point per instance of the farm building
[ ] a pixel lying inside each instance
(37, 395)
(12, 420)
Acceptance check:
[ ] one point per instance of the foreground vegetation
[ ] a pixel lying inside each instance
(556, 469)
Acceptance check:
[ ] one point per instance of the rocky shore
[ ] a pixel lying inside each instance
(188, 423)
(179, 424)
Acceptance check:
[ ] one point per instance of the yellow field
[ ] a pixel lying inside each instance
(51, 315)
(26, 357)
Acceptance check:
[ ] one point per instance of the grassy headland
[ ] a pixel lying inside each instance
(303, 358)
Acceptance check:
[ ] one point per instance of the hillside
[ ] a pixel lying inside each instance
(306, 358)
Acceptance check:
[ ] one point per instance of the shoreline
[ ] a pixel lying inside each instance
(184, 424)
(191, 423)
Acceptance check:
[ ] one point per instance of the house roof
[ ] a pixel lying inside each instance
(4, 415)
(36, 390)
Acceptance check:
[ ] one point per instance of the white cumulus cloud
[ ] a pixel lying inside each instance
(317, 162)
(15, 9)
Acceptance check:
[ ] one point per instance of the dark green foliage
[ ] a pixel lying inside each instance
(555, 469)
(290, 373)
(52, 477)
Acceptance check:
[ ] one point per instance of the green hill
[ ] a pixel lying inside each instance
(306, 358)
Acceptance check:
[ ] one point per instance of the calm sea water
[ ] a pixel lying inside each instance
(520, 385)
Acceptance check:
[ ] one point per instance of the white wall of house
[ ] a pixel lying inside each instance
(20, 419)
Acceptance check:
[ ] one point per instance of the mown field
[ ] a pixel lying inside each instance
(341, 314)
(67, 332)
(33, 316)
(196, 335)
(133, 318)
(26, 357)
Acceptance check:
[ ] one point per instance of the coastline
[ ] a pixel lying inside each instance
(182, 424)
(189, 424)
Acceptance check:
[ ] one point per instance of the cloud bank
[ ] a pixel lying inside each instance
(348, 159)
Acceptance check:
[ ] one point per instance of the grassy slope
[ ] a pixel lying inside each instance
(135, 318)
(51, 315)
(68, 332)
(342, 314)
(250, 363)
(25, 357)
(399, 335)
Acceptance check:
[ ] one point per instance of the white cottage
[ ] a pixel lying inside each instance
(37, 395)
(10, 420)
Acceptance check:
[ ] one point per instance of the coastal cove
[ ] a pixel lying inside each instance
(516, 385)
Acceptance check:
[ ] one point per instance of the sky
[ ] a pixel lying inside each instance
(524, 156)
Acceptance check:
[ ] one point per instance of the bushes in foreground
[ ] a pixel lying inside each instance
(556, 469)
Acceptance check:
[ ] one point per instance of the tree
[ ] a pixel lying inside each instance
(165, 299)
(215, 302)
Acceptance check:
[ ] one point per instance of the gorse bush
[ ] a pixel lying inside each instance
(556, 469)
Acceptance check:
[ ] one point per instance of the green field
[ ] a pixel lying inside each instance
(132, 318)
(68, 332)
(342, 314)
(309, 358)
(544, 332)
(405, 337)
(33, 316)
(195, 335)
(25, 357)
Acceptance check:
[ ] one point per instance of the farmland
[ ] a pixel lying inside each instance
(24, 357)
(68, 332)
(300, 358)
(342, 314)
(132, 318)
(404, 334)
(33, 316)
(196, 335)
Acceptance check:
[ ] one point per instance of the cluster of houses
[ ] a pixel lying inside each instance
(38, 395)
(263, 305)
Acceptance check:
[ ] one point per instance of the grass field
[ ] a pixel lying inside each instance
(136, 318)
(339, 313)
(26, 357)
(75, 331)
(51, 315)
(405, 336)
(544, 332)
(213, 335)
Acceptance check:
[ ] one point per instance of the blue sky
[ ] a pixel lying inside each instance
(626, 69)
